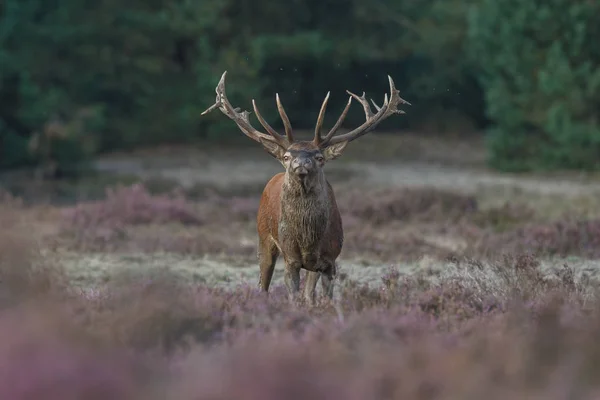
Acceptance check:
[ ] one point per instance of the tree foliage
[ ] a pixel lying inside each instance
(540, 69)
(91, 76)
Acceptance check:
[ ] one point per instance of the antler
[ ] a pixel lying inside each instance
(285, 119)
(242, 118)
(323, 141)
(388, 108)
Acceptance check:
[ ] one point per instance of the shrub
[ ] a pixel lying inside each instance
(412, 204)
(153, 335)
(43, 356)
(25, 273)
(560, 238)
(105, 220)
(134, 219)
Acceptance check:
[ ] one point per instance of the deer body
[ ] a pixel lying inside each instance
(298, 215)
(302, 222)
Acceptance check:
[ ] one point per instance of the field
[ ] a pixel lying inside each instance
(456, 282)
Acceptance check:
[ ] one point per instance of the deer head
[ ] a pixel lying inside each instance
(306, 158)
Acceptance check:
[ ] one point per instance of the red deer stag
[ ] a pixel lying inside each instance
(298, 215)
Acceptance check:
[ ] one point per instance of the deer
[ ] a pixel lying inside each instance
(298, 216)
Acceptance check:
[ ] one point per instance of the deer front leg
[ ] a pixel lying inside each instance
(291, 277)
(327, 284)
(267, 256)
(310, 261)
(310, 284)
(328, 279)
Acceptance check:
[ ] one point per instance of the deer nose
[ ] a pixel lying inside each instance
(302, 162)
(302, 165)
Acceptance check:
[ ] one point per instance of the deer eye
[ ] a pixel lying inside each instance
(286, 158)
(319, 158)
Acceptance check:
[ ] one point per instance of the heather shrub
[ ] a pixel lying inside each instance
(25, 271)
(464, 288)
(496, 284)
(210, 239)
(423, 204)
(505, 217)
(559, 238)
(132, 218)
(381, 207)
(380, 225)
(156, 311)
(504, 328)
(539, 352)
(390, 244)
(134, 205)
(150, 333)
(105, 221)
(152, 311)
(44, 356)
(397, 224)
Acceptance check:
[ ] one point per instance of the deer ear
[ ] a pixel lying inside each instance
(273, 148)
(334, 151)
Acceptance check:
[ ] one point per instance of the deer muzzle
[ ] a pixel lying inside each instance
(302, 166)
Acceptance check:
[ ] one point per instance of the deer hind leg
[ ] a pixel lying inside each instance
(267, 257)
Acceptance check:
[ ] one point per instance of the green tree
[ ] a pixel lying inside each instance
(539, 63)
(142, 71)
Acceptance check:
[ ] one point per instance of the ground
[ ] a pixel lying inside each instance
(223, 184)
(456, 282)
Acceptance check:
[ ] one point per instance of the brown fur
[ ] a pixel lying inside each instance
(299, 218)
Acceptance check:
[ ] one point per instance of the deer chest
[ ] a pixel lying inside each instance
(304, 222)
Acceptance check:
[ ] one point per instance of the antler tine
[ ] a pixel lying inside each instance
(285, 119)
(395, 99)
(241, 118)
(320, 118)
(389, 107)
(338, 123)
(375, 105)
(363, 101)
(266, 125)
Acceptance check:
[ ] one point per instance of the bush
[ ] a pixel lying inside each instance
(539, 65)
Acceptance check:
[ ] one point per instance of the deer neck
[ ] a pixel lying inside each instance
(306, 197)
(305, 210)
(308, 186)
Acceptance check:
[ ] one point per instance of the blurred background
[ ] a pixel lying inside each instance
(471, 259)
(81, 78)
